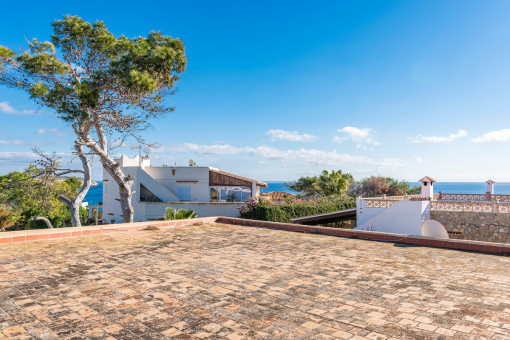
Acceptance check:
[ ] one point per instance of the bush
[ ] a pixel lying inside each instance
(260, 209)
(181, 214)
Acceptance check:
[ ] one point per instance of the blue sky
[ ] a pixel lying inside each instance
(275, 90)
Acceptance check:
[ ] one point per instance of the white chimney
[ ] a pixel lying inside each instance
(427, 187)
(490, 186)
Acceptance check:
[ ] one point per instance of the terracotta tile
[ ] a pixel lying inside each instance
(18, 239)
(227, 280)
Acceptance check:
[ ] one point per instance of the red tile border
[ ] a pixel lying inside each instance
(18, 238)
(487, 247)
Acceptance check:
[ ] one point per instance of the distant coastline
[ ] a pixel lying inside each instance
(95, 194)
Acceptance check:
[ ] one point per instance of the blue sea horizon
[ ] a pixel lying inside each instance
(95, 194)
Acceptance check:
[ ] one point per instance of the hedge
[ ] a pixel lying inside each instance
(285, 212)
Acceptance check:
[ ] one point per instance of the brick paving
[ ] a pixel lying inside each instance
(216, 281)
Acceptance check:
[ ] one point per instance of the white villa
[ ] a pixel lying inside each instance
(208, 191)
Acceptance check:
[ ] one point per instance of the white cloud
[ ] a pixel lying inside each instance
(436, 139)
(12, 142)
(357, 135)
(215, 149)
(53, 132)
(6, 108)
(494, 136)
(418, 159)
(292, 136)
(310, 156)
(16, 157)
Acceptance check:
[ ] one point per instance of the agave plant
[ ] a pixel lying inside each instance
(181, 214)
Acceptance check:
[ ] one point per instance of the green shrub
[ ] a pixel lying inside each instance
(181, 214)
(284, 212)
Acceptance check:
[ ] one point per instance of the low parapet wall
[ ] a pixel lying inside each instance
(50, 234)
(490, 227)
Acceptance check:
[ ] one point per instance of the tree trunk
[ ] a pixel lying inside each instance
(74, 207)
(125, 184)
(44, 219)
(87, 182)
(75, 204)
(125, 205)
(111, 166)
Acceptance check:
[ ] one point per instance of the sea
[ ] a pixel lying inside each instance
(95, 194)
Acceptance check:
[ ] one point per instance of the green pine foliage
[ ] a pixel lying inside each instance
(24, 195)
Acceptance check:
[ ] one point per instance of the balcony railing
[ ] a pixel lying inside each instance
(473, 197)
(486, 207)
(468, 204)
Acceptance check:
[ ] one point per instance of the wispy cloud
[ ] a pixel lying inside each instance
(53, 132)
(292, 136)
(23, 158)
(6, 108)
(360, 136)
(438, 139)
(310, 156)
(494, 136)
(12, 142)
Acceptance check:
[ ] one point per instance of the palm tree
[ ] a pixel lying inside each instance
(181, 214)
(333, 183)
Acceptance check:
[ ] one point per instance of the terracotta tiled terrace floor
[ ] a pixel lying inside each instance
(227, 281)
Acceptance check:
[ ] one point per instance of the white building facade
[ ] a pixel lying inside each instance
(208, 191)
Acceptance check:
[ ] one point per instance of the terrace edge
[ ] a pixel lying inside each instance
(58, 233)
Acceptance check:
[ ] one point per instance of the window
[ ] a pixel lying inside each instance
(425, 184)
(215, 195)
(229, 194)
(184, 193)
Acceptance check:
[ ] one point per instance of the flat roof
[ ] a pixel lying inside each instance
(228, 281)
(259, 183)
(335, 216)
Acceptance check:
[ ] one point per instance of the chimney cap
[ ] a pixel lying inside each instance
(427, 179)
(490, 181)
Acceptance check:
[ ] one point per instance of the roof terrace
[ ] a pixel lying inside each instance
(218, 280)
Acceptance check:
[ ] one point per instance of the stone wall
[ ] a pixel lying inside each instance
(490, 227)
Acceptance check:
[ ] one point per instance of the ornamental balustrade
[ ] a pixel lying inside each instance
(447, 205)
(486, 207)
(473, 197)
(379, 202)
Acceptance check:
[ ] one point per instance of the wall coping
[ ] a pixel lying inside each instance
(191, 202)
(57, 233)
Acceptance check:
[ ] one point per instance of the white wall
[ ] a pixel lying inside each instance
(363, 213)
(165, 176)
(403, 217)
(155, 210)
